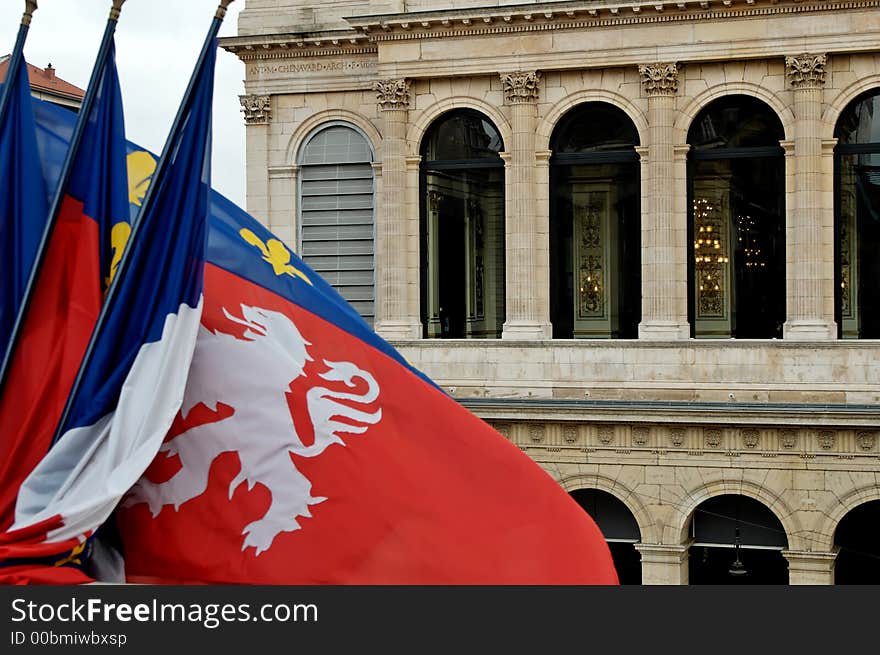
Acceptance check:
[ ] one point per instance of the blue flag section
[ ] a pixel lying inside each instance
(24, 205)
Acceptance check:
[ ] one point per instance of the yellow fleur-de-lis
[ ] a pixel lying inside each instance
(275, 253)
(73, 558)
(119, 235)
(141, 167)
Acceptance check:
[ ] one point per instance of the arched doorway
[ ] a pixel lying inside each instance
(736, 185)
(462, 221)
(618, 526)
(736, 540)
(858, 538)
(595, 237)
(857, 218)
(336, 212)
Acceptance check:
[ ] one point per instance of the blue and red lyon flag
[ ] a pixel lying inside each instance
(131, 381)
(74, 269)
(24, 204)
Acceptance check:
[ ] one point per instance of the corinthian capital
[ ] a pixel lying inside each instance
(659, 79)
(521, 86)
(392, 94)
(806, 71)
(257, 109)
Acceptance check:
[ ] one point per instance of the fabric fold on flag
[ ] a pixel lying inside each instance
(132, 380)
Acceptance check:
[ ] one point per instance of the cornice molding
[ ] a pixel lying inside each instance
(291, 46)
(574, 15)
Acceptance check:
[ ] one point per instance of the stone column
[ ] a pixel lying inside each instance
(664, 231)
(257, 110)
(807, 568)
(809, 243)
(664, 564)
(527, 243)
(393, 317)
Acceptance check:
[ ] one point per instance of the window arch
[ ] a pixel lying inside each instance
(857, 218)
(336, 212)
(618, 526)
(462, 221)
(736, 219)
(595, 233)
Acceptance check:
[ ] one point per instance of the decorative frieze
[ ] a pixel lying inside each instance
(606, 435)
(640, 435)
(866, 440)
(750, 437)
(521, 86)
(536, 433)
(570, 434)
(392, 94)
(806, 71)
(257, 109)
(827, 439)
(787, 439)
(676, 436)
(660, 78)
(713, 437)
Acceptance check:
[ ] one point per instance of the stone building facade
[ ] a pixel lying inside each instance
(517, 194)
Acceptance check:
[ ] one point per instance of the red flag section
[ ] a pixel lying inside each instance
(307, 456)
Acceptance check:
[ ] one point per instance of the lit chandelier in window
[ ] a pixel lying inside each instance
(710, 257)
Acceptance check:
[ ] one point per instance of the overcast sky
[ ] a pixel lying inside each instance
(157, 43)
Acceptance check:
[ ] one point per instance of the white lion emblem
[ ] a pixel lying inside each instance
(261, 430)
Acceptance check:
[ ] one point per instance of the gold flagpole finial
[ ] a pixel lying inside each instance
(221, 10)
(30, 6)
(116, 9)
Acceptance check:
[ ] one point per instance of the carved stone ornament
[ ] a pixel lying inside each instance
(392, 94)
(750, 437)
(257, 109)
(570, 433)
(866, 440)
(606, 434)
(640, 435)
(536, 433)
(659, 79)
(503, 429)
(806, 71)
(713, 437)
(788, 438)
(827, 439)
(676, 436)
(521, 86)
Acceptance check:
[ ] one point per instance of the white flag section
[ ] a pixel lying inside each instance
(90, 468)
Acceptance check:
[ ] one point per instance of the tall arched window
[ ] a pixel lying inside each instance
(595, 258)
(857, 218)
(336, 226)
(736, 178)
(462, 184)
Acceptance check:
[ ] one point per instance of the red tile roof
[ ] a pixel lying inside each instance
(45, 80)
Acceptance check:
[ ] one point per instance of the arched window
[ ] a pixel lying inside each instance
(595, 255)
(736, 181)
(736, 540)
(336, 225)
(618, 526)
(857, 218)
(856, 537)
(462, 190)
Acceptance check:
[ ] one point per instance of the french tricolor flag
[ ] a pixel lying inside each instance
(131, 381)
(66, 289)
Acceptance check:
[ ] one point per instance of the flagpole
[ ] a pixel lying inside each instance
(66, 169)
(17, 53)
(155, 184)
